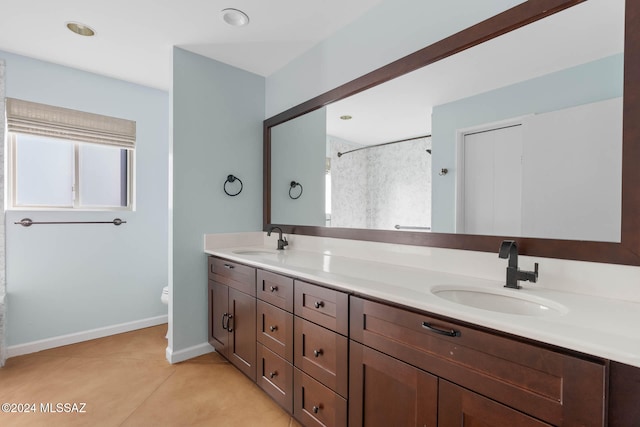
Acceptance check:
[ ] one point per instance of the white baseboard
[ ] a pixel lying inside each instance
(188, 353)
(45, 344)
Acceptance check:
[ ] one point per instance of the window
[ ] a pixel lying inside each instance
(66, 159)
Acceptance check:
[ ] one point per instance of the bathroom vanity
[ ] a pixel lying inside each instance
(344, 339)
(326, 344)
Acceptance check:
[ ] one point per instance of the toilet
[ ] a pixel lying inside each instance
(164, 297)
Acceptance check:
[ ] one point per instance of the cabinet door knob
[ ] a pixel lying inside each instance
(318, 304)
(273, 328)
(317, 353)
(229, 266)
(273, 374)
(315, 409)
(274, 288)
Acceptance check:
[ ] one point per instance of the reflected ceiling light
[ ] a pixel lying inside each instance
(346, 117)
(81, 29)
(235, 17)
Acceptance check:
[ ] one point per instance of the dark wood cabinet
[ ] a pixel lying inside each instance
(387, 392)
(321, 355)
(232, 313)
(274, 332)
(548, 385)
(319, 351)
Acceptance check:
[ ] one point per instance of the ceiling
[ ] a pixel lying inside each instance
(402, 107)
(134, 38)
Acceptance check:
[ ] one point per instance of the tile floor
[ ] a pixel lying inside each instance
(125, 380)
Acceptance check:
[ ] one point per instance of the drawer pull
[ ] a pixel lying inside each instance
(315, 409)
(229, 266)
(448, 333)
(274, 374)
(317, 353)
(224, 321)
(229, 317)
(274, 289)
(318, 304)
(273, 328)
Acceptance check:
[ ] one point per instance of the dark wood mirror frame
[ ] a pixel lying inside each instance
(626, 252)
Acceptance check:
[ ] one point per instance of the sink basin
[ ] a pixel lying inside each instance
(498, 300)
(254, 252)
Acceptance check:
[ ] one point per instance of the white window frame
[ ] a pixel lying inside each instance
(77, 202)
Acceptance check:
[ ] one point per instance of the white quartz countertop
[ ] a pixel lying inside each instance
(601, 327)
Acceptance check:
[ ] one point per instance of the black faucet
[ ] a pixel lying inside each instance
(509, 249)
(282, 241)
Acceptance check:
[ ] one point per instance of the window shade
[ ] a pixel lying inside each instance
(57, 122)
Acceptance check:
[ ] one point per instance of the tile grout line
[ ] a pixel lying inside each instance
(147, 398)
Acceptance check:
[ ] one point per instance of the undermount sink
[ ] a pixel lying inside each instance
(499, 300)
(254, 252)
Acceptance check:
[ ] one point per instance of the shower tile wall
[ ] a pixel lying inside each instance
(348, 186)
(381, 187)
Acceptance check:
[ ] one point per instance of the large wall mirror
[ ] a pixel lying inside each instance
(519, 127)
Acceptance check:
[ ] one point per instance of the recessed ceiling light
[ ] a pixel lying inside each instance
(346, 117)
(235, 17)
(81, 29)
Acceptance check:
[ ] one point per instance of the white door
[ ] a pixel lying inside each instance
(492, 182)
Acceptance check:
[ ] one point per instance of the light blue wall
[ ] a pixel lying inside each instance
(217, 131)
(63, 279)
(298, 152)
(591, 82)
(389, 31)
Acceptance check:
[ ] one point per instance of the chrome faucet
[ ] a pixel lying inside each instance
(509, 249)
(282, 241)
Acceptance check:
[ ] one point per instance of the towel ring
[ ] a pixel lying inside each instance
(294, 185)
(231, 178)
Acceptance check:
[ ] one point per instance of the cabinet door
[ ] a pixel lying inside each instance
(322, 354)
(242, 332)
(274, 330)
(315, 405)
(326, 307)
(218, 317)
(275, 289)
(461, 407)
(275, 377)
(387, 392)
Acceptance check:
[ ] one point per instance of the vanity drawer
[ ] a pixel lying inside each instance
(558, 388)
(275, 289)
(323, 354)
(275, 329)
(232, 274)
(315, 404)
(326, 307)
(275, 377)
